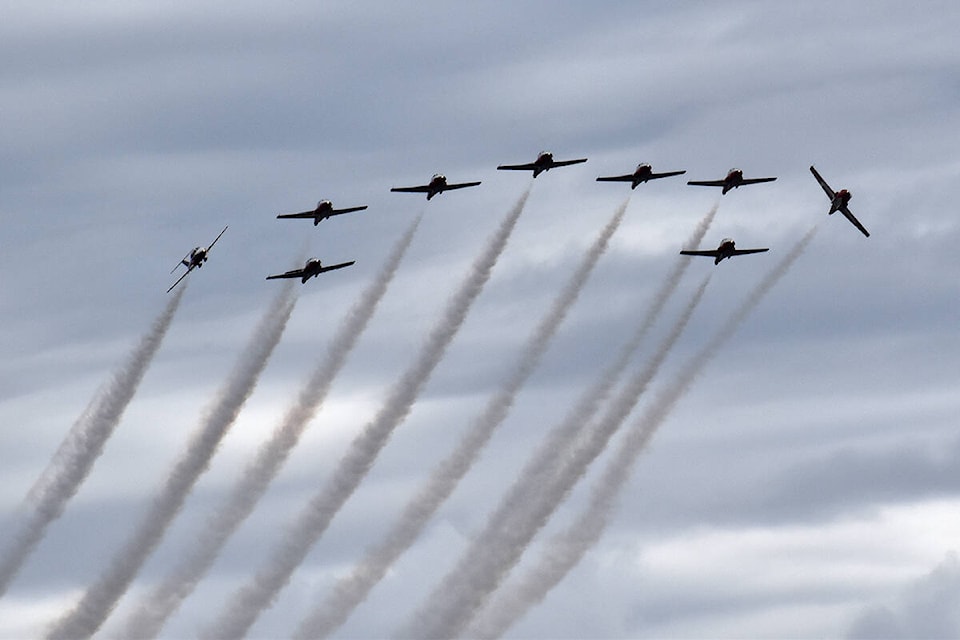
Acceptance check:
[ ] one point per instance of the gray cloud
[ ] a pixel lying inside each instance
(928, 608)
(136, 133)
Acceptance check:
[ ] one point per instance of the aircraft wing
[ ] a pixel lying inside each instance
(335, 266)
(667, 174)
(460, 185)
(713, 253)
(743, 252)
(180, 263)
(424, 188)
(337, 212)
(845, 211)
(179, 279)
(756, 180)
(215, 239)
(626, 178)
(823, 184)
(519, 167)
(303, 214)
(296, 273)
(707, 183)
(566, 163)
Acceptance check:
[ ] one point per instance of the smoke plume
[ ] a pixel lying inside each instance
(152, 611)
(100, 598)
(565, 551)
(353, 589)
(247, 603)
(499, 547)
(83, 445)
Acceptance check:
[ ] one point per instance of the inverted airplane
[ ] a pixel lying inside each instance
(727, 249)
(437, 184)
(194, 259)
(733, 180)
(838, 201)
(642, 173)
(313, 267)
(323, 211)
(544, 162)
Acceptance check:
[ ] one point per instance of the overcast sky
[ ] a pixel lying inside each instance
(808, 484)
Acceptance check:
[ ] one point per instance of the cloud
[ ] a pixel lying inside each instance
(928, 608)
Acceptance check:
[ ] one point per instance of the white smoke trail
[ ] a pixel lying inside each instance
(542, 466)
(153, 610)
(565, 551)
(83, 445)
(100, 598)
(499, 547)
(246, 604)
(353, 589)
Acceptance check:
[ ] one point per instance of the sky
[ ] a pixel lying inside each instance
(805, 486)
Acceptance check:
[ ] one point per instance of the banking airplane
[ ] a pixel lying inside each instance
(544, 162)
(838, 201)
(313, 267)
(323, 211)
(733, 180)
(642, 173)
(438, 184)
(194, 259)
(727, 249)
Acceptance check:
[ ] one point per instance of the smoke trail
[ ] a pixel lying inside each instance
(497, 549)
(153, 610)
(100, 598)
(541, 467)
(245, 606)
(353, 589)
(565, 551)
(83, 445)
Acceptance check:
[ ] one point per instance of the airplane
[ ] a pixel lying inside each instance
(642, 173)
(194, 259)
(438, 184)
(323, 211)
(313, 267)
(727, 249)
(544, 162)
(838, 201)
(734, 180)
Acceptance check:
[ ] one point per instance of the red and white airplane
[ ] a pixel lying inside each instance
(544, 162)
(313, 267)
(437, 184)
(323, 211)
(642, 173)
(727, 249)
(733, 180)
(838, 201)
(194, 259)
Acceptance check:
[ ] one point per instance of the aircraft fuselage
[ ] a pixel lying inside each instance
(733, 180)
(840, 200)
(311, 269)
(543, 163)
(725, 250)
(642, 174)
(197, 257)
(438, 184)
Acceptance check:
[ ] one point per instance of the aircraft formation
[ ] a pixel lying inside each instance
(241, 611)
(544, 162)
